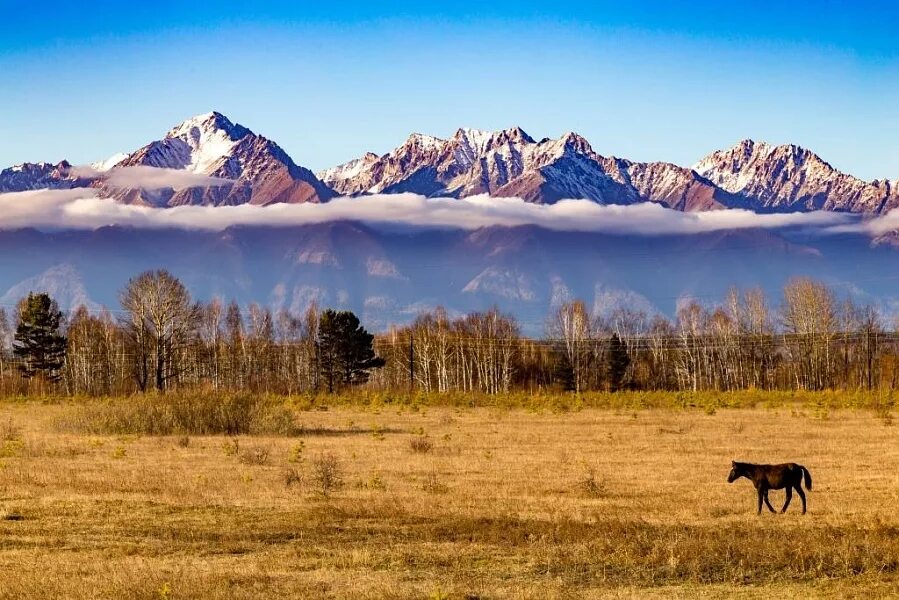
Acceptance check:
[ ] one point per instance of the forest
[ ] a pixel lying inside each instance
(161, 338)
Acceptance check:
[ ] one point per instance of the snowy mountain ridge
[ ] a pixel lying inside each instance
(504, 163)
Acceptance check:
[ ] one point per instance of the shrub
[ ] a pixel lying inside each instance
(231, 447)
(420, 444)
(254, 455)
(374, 482)
(327, 473)
(433, 484)
(295, 454)
(9, 431)
(590, 486)
(188, 413)
(292, 477)
(12, 443)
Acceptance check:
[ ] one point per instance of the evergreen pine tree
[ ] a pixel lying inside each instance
(564, 372)
(618, 362)
(344, 350)
(38, 342)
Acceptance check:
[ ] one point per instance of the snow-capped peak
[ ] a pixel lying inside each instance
(425, 142)
(210, 137)
(788, 176)
(475, 138)
(105, 165)
(207, 122)
(570, 142)
(348, 170)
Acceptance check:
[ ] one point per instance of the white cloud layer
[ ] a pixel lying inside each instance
(873, 227)
(82, 209)
(150, 178)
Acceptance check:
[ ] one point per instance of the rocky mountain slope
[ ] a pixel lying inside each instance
(790, 178)
(244, 168)
(37, 176)
(751, 175)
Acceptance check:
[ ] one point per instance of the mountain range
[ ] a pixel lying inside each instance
(221, 163)
(387, 275)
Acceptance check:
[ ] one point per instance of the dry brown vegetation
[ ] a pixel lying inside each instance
(506, 502)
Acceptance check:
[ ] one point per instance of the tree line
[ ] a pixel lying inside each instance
(161, 338)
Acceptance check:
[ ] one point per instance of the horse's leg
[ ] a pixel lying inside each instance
(768, 503)
(761, 494)
(801, 496)
(789, 497)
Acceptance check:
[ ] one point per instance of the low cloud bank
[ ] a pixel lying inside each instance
(150, 178)
(82, 209)
(874, 227)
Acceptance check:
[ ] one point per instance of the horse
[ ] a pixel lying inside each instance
(773, 477)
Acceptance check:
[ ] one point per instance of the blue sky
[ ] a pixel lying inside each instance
(643, 80)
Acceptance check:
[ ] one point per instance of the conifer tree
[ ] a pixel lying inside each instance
(618, 362)
(38, 341)
(344, 350)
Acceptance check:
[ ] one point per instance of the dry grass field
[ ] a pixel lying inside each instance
(448, 503)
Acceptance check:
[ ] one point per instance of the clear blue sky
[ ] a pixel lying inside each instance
(328, 81)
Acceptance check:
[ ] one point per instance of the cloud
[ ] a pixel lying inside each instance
(152, 178)
(83, 209)
(874, 227)
(149, 178)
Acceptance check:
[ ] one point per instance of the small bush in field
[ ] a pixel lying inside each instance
(12, 443)
(433, 485)
(420, 444)
(883, 413)
(10, 432)
(254, 455)
(292, 477)
(231, 447)
(295, 454)
(327, 474)
(375, 482)
(590, 486)
(165, 592)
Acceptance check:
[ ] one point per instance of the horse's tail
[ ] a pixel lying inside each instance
(808, 477)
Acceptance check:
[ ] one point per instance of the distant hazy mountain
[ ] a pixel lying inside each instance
(37, 176)
(388, 276)
(61, 281)
(243, 167)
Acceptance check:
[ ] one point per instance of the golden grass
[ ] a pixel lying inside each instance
(505, 503)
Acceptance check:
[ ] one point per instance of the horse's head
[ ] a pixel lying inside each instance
(735, 472)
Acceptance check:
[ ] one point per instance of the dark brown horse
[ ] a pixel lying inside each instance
(773, 477)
